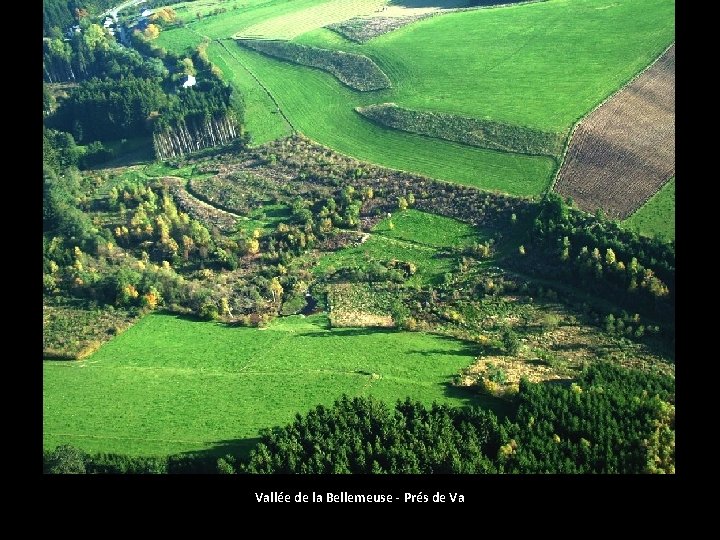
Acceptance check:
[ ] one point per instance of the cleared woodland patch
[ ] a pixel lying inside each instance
(72, 331)
(208, 215)
(358, 305)
(624, 152)
(355, 70)
(473, 131)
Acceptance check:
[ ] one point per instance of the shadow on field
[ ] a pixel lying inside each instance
(350, 332)
(470, 397)
(448, 4)
(205, 461)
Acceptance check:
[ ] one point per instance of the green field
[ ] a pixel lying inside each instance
(418, 237)
(657, 216)
(262, 118)
(321, 108)
(429, 229)
(171, 385)
(541, 65)
(531, 65)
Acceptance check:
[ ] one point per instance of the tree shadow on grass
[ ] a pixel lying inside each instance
(205, 461)
(448, 4)
(350, 332)
(470, 397)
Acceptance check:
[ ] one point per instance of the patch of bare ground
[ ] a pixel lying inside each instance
(400, 13)
(624, 151)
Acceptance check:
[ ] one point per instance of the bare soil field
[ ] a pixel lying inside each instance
(624, 151)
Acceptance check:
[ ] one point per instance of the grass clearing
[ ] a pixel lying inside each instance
(417, 237)
(429, 229)
(657, 216)
(172, 385)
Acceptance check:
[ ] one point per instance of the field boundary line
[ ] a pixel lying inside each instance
(575, 127)
(257, 80)
(123, 438)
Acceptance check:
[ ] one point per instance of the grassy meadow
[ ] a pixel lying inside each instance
(530, 65)
(171, 385)
(657, 216)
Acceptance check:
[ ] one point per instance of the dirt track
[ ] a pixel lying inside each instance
(623, 152)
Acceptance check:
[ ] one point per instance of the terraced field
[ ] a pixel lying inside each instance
(624, 152)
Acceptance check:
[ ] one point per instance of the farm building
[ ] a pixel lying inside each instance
(189, 81)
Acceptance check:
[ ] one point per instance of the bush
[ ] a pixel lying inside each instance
(355, 70)
(465, 130)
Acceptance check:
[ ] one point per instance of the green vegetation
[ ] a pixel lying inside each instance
(319, 107)
(576, 429)
(429, 229)
(657, 216)
(355, 70)
(472, 131)
(414, 238)
(389, 304)
(178, 385)
(263, 120)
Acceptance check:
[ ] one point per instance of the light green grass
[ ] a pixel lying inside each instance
(228, 24)
(321, 108)
(266, 218)
(657, 216)
(418, 237)
(179, 40)
(295, 23)
(429, 229)
(170, 385)
(541, 65)
(262, 119)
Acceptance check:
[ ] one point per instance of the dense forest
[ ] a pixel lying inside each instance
(58, 15)
(124, 93)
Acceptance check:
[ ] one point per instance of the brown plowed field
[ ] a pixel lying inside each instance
(624, 151)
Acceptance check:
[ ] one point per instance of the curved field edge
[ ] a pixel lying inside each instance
(465, 130)
(263, 120)
(531, 65)
(622, 153)
(363, 28)
(657, 216)
(317, 106)
(171, 385)
(354, 70)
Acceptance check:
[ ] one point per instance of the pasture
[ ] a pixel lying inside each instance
(423, 239)
(171, 385)
(657, 216)
(520, 78)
